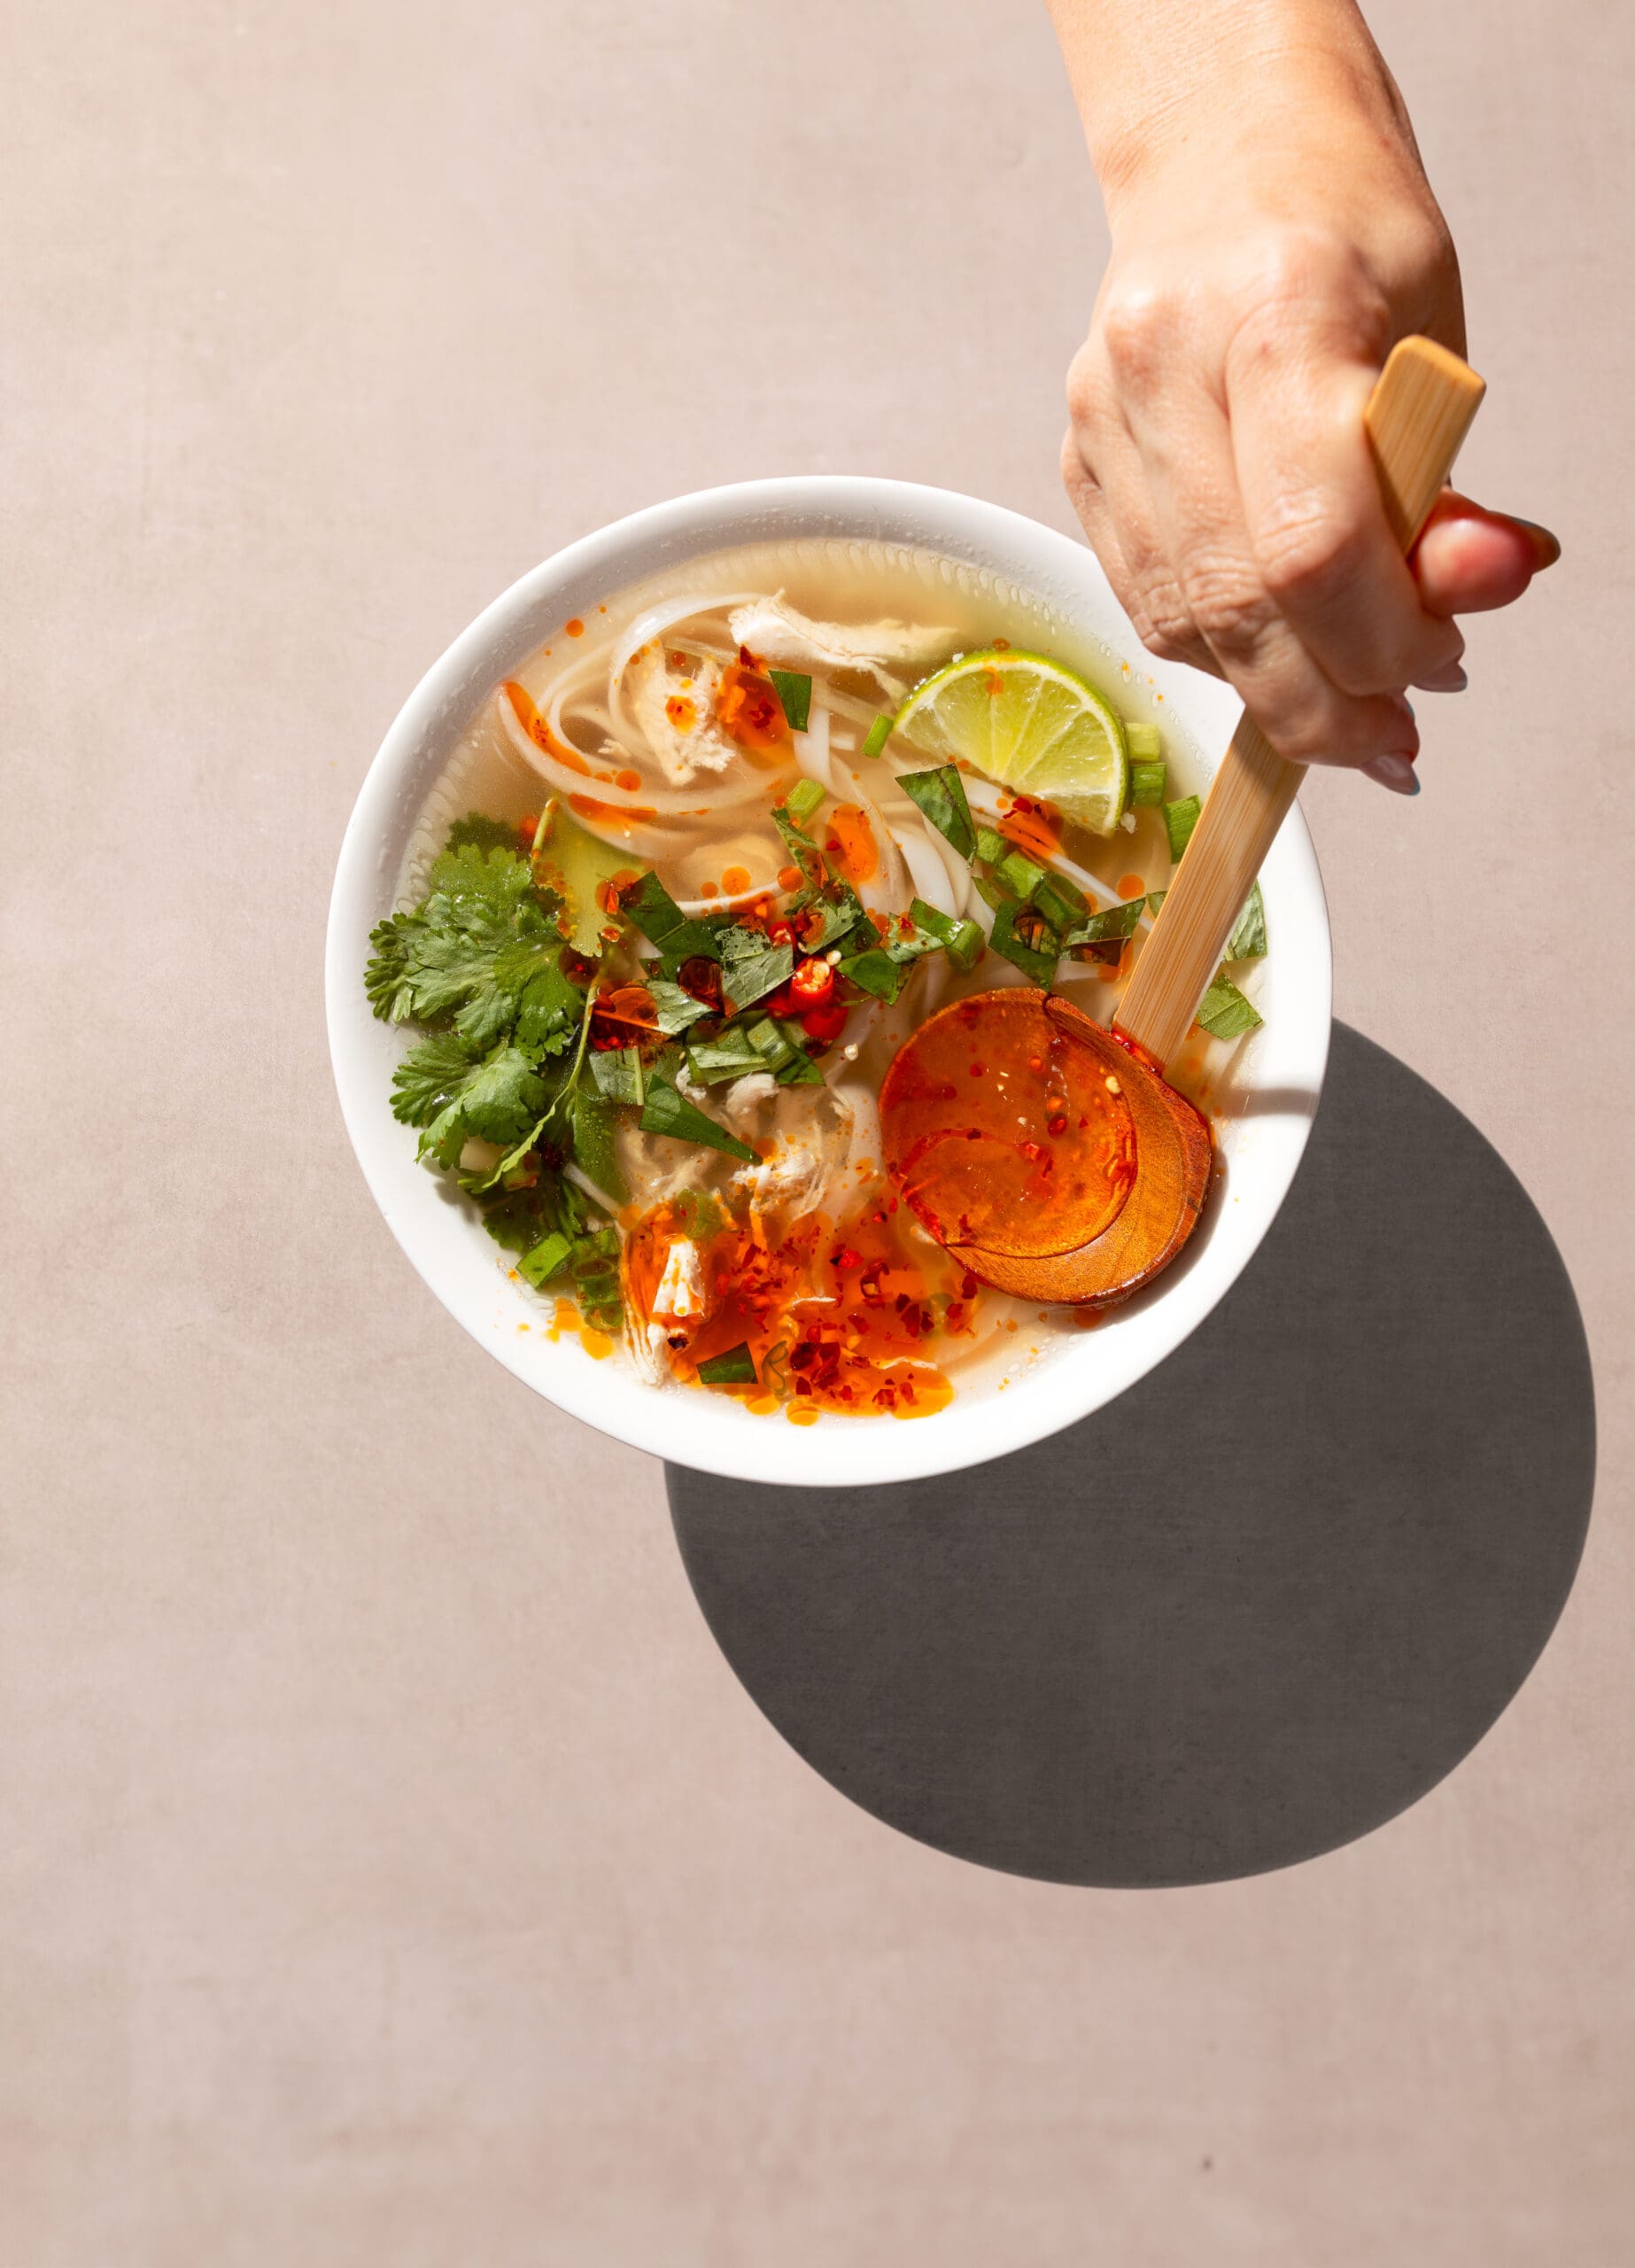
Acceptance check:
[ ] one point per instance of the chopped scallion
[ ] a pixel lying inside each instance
(878, 733)
(736, 1367)
(1143, 741)
(1035, 960)
(804, 799)
(1148, 781)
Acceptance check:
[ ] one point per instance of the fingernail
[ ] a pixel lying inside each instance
(1451, 680)
(1547, 547)
(1396, 772)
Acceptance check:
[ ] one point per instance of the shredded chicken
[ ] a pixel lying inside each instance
(891, 652)
(677, 714)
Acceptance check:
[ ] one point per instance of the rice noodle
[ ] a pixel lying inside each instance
(812, 750)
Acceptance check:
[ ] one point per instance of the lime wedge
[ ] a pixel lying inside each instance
(1030, 724)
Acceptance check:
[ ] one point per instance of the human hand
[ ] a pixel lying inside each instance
(1266, 256)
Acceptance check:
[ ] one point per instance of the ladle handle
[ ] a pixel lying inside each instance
(1417, 416)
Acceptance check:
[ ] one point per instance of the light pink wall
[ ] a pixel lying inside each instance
(391, 1870)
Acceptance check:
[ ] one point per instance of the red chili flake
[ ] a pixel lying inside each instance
(967, 1285)
(845, 1257)
(979, 1071)
(1056, 1125)
(1034, 1150)
(1084, 1122)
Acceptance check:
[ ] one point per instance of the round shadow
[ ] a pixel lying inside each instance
(1254, 1607)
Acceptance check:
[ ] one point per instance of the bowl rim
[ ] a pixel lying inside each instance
(713, 1434)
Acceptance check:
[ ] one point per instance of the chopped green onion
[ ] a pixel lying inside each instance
(804, 799)
(736, 1367)
(667, 1112)
(1148, 781)
(1179, 821)
(1247, 942)
(795, 692)
(1143, 740)
(878, 733)
(990, 845)
(962, 941)
(1224, 1012)
(941, 795)
(548, 1258)
(1018, 873)
(1037, 961)
(992, 891)
(1060, 902)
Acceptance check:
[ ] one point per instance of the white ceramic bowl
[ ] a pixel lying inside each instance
(1284, 1073)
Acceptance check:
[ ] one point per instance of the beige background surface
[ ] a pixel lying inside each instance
(391, 1870)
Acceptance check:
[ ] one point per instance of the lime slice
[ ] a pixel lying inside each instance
(1030, 724)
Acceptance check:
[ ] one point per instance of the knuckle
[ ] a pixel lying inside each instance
(1309, 553)
(1227, 604)
(1133, 328)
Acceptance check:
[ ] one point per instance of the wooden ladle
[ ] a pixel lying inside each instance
(1050, 1156)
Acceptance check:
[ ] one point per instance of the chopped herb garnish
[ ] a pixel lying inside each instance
(1224, 1012)
(991, 845)
(594, 1140)
(1019, 874)
(1148, 781)
(736, 1367)
(486, 833)
(874, 971)
(1179, 821)
(992, 891)
(1116, 922)
(1247, 941)
(1143, 740)
(738, 1048)
(1037, 958)
(805, 853)
(878, 734)
(796, 693)
(673, 1008)
(941, 795)
(666, 1111)
(962, 941)
(618, 1074)
(804, 799)
(752, 966)
(1060, 902)
(661, 920)
(547, 1258)
(1155, 899)
(451, 1094)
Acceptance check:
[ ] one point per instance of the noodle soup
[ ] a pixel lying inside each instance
(688, 880)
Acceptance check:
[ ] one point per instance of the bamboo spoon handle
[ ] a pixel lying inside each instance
(1417, 416)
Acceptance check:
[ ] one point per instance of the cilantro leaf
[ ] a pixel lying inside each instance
(941, 795)
(486, 833)
(497, 1097)
(430, 1077)
(386, 978)
(668, 1112)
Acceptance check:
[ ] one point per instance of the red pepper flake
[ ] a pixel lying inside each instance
(1056, 1125)
(979, 1071)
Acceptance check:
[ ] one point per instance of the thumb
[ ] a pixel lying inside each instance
(1469, 559)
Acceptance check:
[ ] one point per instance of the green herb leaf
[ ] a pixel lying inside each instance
(736, 1367)
(752, 966)
(674, 1008)
(1155, 899)
(737, 1049)
(1148, 781)
(795, 692)
(1224, 1012)
(486, 833)
(595, 1141)
(498, 1098)
(941, 795)
(874, 971)
(661, 920)
(801, 848)
(878, 734)
(1247, 941)
(668, 1112)
(546, 1259)
(1179, 821)
(804, 797)
(618, 1074)
(1115, 923)
(1037, 960)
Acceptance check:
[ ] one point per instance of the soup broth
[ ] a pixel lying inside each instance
(695, 911)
